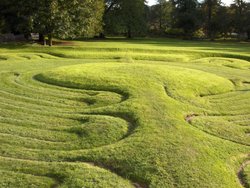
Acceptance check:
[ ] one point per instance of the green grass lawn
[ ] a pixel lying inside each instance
(117, 113)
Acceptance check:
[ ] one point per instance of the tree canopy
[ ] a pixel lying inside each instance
(60, 18)
(88, 18)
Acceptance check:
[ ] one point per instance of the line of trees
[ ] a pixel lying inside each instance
(206, 19)
(89, 18)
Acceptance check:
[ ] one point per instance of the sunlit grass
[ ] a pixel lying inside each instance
(149, 113)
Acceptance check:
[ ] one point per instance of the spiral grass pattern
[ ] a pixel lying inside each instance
(145, 113)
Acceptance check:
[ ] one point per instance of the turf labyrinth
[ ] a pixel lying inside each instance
(136, 114)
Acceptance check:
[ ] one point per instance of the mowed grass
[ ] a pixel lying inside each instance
(117, 113)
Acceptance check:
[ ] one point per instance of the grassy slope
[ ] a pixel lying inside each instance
(157, 113)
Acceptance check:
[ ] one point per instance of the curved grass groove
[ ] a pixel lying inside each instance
(243, 175)
(63, 174)
(82, 133)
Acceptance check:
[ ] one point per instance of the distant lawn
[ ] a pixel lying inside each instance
(125, 113)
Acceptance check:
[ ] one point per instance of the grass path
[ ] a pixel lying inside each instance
(142, 113)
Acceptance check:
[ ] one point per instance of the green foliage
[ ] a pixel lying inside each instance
(88, 18)
(58, 18)
(126, 17)
(133, 16)
(15, 16)
(218, 19)
(174, 32)
(66, 19)
(241, 11)
(199, 34)
(160, 17)
(187, 16)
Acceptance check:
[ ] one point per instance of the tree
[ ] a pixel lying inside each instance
(68, 19)
(210, 9)
(187, 16)
(15, 16)
(223, 20)
(133, 16)
(247, 20)
(109, 4)
(161, 16)
(241, 17)
(166, 9)
(112, 18)
(239, 6)
(59, 18)
(125, 16)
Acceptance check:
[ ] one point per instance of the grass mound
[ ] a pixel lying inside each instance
(125, 114)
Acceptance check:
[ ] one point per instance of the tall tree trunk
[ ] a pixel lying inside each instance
(41, 37)
(248, 35)
(240, 25)
(160, 16)
(50, 39)
(129, 34)
(44, 41)
(101, 35)
(209, 28)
